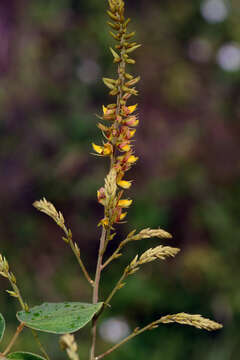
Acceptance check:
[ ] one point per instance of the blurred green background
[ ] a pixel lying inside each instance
(53, 54)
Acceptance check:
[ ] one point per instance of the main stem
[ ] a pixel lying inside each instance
(96, 291)
(105, 232)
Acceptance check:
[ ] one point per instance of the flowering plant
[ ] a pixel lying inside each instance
(118, 126)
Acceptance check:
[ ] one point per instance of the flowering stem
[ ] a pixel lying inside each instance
(96, 290)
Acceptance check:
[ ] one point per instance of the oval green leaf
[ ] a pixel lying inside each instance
(22, 355)
(59, 318)
(2, 326)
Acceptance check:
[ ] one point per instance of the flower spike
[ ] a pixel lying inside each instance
(123, 123)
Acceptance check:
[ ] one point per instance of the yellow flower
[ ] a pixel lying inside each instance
(125, 146)
(104, 222)
(104, 150)
(124, 184)
(132, 133)
(97, 148)
(124, 203)
(107, 149)
(132, 159)
(132, 108)
(123, 215)
(104, 109)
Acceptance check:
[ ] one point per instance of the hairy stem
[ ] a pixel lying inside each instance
(24, 307)
(35, 335)
(115, 289)
(115, 254)
(14, 338)
(80, 262)
(132, 335)
(106, 232)
(96, 290)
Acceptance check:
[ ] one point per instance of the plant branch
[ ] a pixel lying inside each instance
(14, 338)
(136, 332)
(49, 209)
(76, 252)
(116, 254)
(118, 286)
(16, 293)
(96, 289)
(35, 335)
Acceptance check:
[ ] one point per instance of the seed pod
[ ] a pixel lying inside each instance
(128, 36)
(112, 6)
(128, 76)
(115, 36)
(130, 61)
(133, 81)
(114, 91)
(110, 83)
(130, 91)
(126, 22)
(114, 26)
(133, 48)
(112, 16)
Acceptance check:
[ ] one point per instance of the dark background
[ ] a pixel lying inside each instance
(53, 54)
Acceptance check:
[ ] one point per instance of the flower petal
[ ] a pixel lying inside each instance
(104, 109)
(132, 108)
(124, 203)
(124, 184)
(123, 215)
(97, 148)
(132, 159)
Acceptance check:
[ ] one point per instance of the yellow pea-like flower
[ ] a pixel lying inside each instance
(104, 109)
(125, 147)
(123, 215)
(132, 108)
(124, 203)
(104, 150)
(107, 149)
(97, 148)
(132, 159)
(124, 184)
(104, 222)
(132, 133)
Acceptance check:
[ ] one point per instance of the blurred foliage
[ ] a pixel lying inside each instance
(53, 55)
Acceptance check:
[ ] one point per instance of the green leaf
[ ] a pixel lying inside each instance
(21, 355)
(2, 326)
(59, 318)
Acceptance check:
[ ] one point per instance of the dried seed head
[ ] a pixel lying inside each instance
(4, 267)
(159, 252)
(150, 233)
(49, 209)
(67, 342)
(197, 321)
